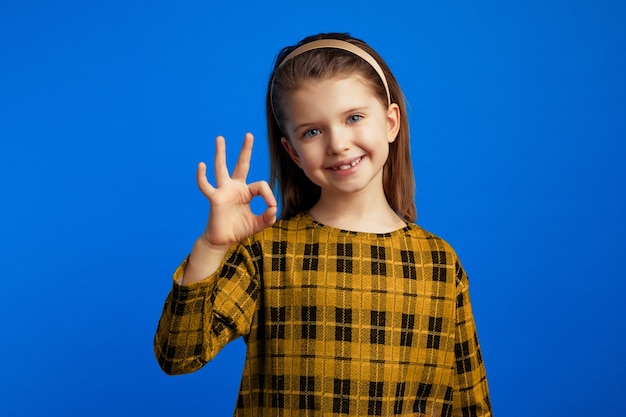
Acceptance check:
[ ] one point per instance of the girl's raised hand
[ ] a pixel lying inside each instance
(231, 218)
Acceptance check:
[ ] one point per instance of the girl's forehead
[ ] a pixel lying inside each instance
(329, 98)
(350, 84)
(318, 99)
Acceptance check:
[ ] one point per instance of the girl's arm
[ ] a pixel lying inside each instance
(472, 396)
(199, 318)
(230, 218)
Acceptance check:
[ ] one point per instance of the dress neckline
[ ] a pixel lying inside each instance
(336, 230)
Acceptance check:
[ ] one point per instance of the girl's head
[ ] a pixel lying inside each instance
(320, 63)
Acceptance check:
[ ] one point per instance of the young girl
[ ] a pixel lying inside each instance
(346, 305)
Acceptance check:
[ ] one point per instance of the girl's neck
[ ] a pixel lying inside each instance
(364, 216)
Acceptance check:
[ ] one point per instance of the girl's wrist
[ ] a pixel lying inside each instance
(205, 241)
(204, 260)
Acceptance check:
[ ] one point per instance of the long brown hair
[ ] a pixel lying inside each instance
(296, 191)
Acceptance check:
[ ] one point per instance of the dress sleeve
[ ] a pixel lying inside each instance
(472, 394)
(199, 319)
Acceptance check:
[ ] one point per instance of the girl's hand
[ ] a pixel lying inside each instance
(230, 218)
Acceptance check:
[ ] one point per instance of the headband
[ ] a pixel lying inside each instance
(337, 44)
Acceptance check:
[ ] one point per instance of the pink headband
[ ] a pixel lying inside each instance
(337, 44)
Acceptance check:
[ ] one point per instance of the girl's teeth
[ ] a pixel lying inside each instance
(348, 166)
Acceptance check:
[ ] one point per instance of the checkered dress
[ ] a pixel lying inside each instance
(336, 323)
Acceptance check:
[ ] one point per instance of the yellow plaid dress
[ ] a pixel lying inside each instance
(337, 323)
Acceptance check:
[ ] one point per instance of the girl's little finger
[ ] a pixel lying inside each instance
(203, 184)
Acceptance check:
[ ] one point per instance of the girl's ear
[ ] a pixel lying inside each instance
(393, 122)
(290, 150)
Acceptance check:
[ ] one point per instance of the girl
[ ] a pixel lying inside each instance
(346, 305)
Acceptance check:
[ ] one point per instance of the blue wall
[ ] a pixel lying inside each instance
(518, 116)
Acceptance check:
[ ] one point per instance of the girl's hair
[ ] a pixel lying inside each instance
(296, 191)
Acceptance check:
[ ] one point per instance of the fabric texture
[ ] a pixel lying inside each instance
(336, 323)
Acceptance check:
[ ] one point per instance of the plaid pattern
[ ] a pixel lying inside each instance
(336, 323)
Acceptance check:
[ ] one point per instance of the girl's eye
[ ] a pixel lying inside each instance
(311, 132)
(354, 118)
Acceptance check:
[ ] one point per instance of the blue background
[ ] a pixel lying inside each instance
(518, 124)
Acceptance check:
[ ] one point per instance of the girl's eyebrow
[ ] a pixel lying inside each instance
(356, 110)
(301, 126)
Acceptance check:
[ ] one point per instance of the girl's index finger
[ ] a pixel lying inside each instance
(245, 155)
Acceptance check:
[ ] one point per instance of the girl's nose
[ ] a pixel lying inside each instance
(337, 142)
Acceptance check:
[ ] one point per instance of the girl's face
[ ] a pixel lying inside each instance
(339, 133)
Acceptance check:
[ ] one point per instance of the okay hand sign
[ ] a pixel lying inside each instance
(230, 218)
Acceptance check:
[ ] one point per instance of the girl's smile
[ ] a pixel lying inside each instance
(346, 165)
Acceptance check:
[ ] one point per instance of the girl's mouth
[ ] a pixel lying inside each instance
(347, 166)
